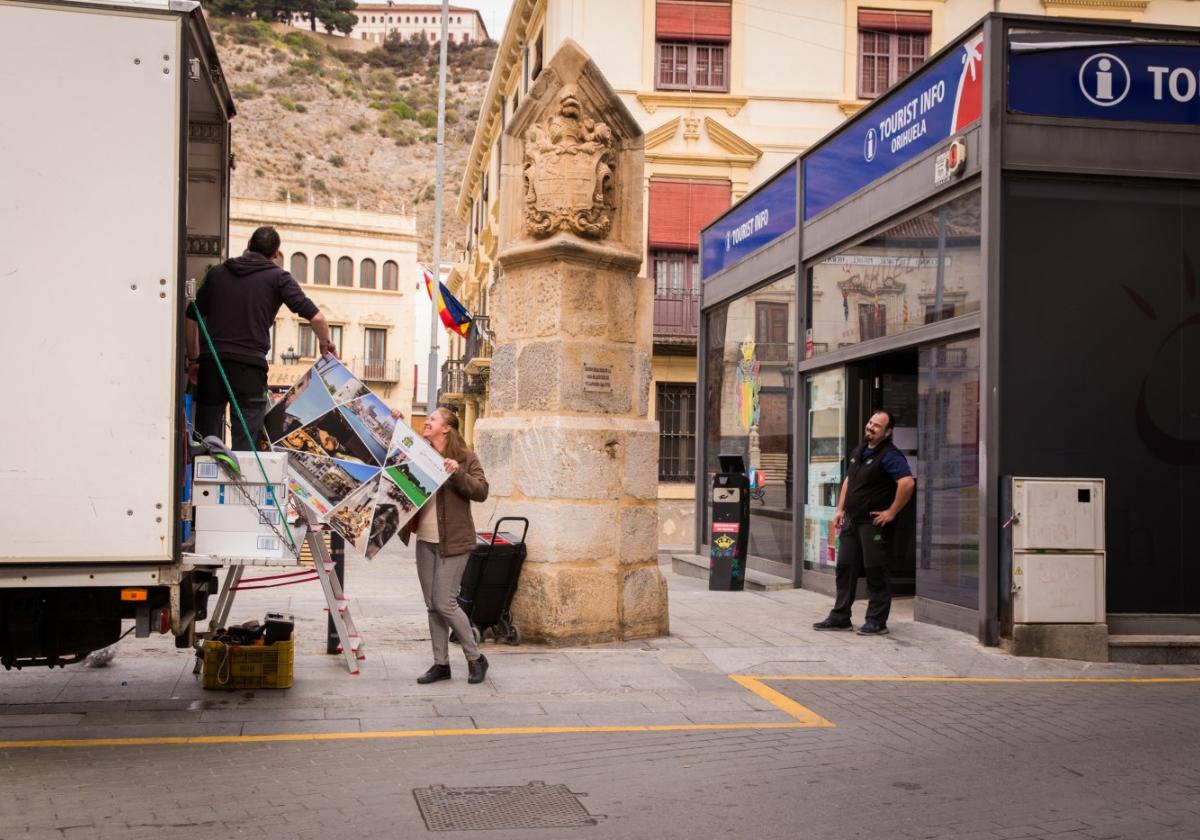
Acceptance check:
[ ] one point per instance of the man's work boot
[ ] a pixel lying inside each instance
(437, 672)
(833, 624)
(478, 668)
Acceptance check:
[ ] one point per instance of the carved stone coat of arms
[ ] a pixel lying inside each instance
(569, 164)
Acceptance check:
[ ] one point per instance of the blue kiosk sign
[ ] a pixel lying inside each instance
(753, 223)
(924, 113)
(1114, 80)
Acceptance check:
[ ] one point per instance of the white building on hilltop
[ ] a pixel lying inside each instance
(376, 21)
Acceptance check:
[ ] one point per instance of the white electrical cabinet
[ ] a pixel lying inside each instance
(1058, 568)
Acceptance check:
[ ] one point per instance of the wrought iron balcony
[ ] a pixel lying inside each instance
(676, 315)
(374, 370)
(454, 380)
(477, 355)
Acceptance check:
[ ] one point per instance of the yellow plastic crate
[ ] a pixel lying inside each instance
(248, 666)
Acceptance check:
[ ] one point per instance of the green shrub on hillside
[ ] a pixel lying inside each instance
(306, 44)
(403, 110)
(247, 91)
(427, 117)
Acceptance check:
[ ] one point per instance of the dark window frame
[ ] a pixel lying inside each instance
(675, 410)
(897, 49)
(691, 66)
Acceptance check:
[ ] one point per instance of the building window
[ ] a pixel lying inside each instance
(335, 335)
(366, 277)
(374, 353)
(307, 342)
(345, 272)
(891, 45)
(692, 45)
(771, 331)
(391, 276)
(300, 267)
(675, 409)
(321, 270)
(872, 320)
(537, 56)
(675, 272)
(693, 67)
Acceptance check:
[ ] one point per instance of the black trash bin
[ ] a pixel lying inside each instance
(730, 536)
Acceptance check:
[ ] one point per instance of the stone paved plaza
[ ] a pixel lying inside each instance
(656, 737)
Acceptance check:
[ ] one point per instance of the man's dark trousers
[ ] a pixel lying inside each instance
(249, 387)
(863, 547)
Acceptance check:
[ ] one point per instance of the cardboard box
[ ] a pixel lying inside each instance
(253, 544)
(205, 470)
(207, 495)
(264, 520)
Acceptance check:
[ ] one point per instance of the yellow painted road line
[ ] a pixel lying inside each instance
(393, 734)
(803, 714)
(1015, 680)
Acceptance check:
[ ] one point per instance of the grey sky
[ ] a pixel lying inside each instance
(495, 14)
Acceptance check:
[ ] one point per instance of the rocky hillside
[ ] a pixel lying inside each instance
(346, 127)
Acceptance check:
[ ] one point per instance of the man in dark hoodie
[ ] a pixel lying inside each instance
(239, 300)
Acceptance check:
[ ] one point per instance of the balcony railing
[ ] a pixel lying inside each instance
(478, 353)
(454, 379)
(374, 370)
(677, 314)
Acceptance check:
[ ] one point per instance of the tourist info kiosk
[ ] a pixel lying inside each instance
(1003, 251)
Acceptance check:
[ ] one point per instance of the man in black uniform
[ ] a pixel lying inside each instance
(239, 301)
(878, 485)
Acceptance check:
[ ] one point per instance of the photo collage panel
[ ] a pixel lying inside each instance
(351, 461)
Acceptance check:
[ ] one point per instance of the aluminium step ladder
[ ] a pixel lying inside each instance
(351, 644)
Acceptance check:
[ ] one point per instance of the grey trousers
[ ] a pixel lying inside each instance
(441, 578)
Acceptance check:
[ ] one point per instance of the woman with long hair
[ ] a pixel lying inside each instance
(445, 538)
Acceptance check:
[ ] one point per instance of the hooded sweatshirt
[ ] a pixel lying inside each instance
(239, 300)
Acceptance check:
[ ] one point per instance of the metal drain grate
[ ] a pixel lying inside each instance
(536, 805)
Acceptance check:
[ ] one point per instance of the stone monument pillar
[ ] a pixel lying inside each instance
(567, 441)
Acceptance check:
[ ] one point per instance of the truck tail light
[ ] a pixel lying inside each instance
(134, 595)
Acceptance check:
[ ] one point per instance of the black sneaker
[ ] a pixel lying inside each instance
(833, 624)
(437, 672)
(872, 628)
(478, 668)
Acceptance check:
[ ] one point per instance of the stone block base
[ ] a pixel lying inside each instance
(1086, 642)
(584, 604)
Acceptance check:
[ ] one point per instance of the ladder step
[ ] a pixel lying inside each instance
(343, 604)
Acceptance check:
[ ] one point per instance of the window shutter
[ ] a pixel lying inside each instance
(885, 20)
(677, 20)
(679, 209)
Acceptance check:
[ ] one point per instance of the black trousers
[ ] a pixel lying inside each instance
(863, 548)
(249, 387)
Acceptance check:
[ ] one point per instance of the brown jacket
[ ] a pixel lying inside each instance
(456, 527)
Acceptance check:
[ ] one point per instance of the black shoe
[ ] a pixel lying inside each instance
(872, 628)
(833, 624)
(478, 668)
(437, 672)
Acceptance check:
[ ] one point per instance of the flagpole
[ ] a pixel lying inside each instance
(431, 394)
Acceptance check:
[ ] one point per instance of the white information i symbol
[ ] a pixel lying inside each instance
(869, 145)
(1100, 77)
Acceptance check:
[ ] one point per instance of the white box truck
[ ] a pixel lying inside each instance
(114, 184)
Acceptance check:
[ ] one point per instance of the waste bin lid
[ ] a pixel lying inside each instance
(731, 463)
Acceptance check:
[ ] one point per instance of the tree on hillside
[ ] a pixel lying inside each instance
(334, 15)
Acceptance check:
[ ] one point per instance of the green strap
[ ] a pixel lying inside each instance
(245, 426)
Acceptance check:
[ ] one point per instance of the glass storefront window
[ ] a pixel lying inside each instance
(751, 377)
(825, 456)
(922, 270)
(947, 496)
